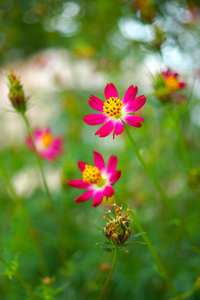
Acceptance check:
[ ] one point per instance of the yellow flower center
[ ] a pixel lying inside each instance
(172, 83)
(113, 107)
(91, 174)
(47, 139)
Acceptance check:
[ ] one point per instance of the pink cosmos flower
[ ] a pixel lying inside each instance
(172, 81)
(115, 111)
(98, 180)
(48, 147)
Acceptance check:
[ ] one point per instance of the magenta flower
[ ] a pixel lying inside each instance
(115, 111)
(48, 147)
(172, 81)
(98, 180)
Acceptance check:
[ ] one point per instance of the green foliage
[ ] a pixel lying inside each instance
(65, 51)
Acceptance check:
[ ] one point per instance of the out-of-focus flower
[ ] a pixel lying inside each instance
(16, 93)
(115, 111)
(48, 147)
(167, 87)
(117, 230)
(105, 267)
(97, 179)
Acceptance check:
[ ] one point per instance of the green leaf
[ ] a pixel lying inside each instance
(136, 235)
(100, 230)
(108, 249)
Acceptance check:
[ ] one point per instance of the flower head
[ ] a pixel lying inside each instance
(47, 146)
(117, 230)
(115, 111)
(97, 179)
(16, 93)
(167, 86)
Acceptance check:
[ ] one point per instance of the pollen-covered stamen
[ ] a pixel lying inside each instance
(112, 107)
(172, 83)
(91, 174)
(47, 139)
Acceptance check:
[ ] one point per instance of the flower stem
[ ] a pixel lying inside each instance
(62, 254)
(38, 159)
(158, 186)
(21, 280)
(184, 151)
(148, 170)
(152, 250)
(185, 295)
(109, 275)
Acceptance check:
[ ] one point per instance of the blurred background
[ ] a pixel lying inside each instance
(64, 51)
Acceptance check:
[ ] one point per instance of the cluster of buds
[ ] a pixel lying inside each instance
(16, 93)
(117, 230)
(167, 85)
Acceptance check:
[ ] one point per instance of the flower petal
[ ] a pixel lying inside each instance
(98, 198)
(133, 120)
(108, 191)
(135, 104)
(79, 184)
(96, 103)
(95, 119)
(119, 128)
(130, 94)
(81, 165)
(111, 91)
(182, 85)
(115, 177)
(106, 129)
(85, 196)
(112, 164)
(99, 161)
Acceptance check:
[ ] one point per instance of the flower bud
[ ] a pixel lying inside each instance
(118, 229)
(16, 93)
(47, 280)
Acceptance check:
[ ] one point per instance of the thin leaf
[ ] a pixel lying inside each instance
(108, 249)
(136, 235)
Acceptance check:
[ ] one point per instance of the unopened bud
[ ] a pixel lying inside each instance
(118, 229)
(47, 280)
(16, 93)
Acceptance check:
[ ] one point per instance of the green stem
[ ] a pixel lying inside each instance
(148, 170)
(62, 253)
(109, 275)
(157, 185)
(185, 295)
(21, 280)
(149, 245)
(184, 151)
(38, 159)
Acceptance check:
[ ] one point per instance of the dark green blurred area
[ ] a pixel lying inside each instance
(91, 30)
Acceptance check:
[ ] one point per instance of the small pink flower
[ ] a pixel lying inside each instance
(48, 147)
(115, 111)
(172, 81)
(98, 180)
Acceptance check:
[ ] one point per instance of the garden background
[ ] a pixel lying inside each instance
(63, 52)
